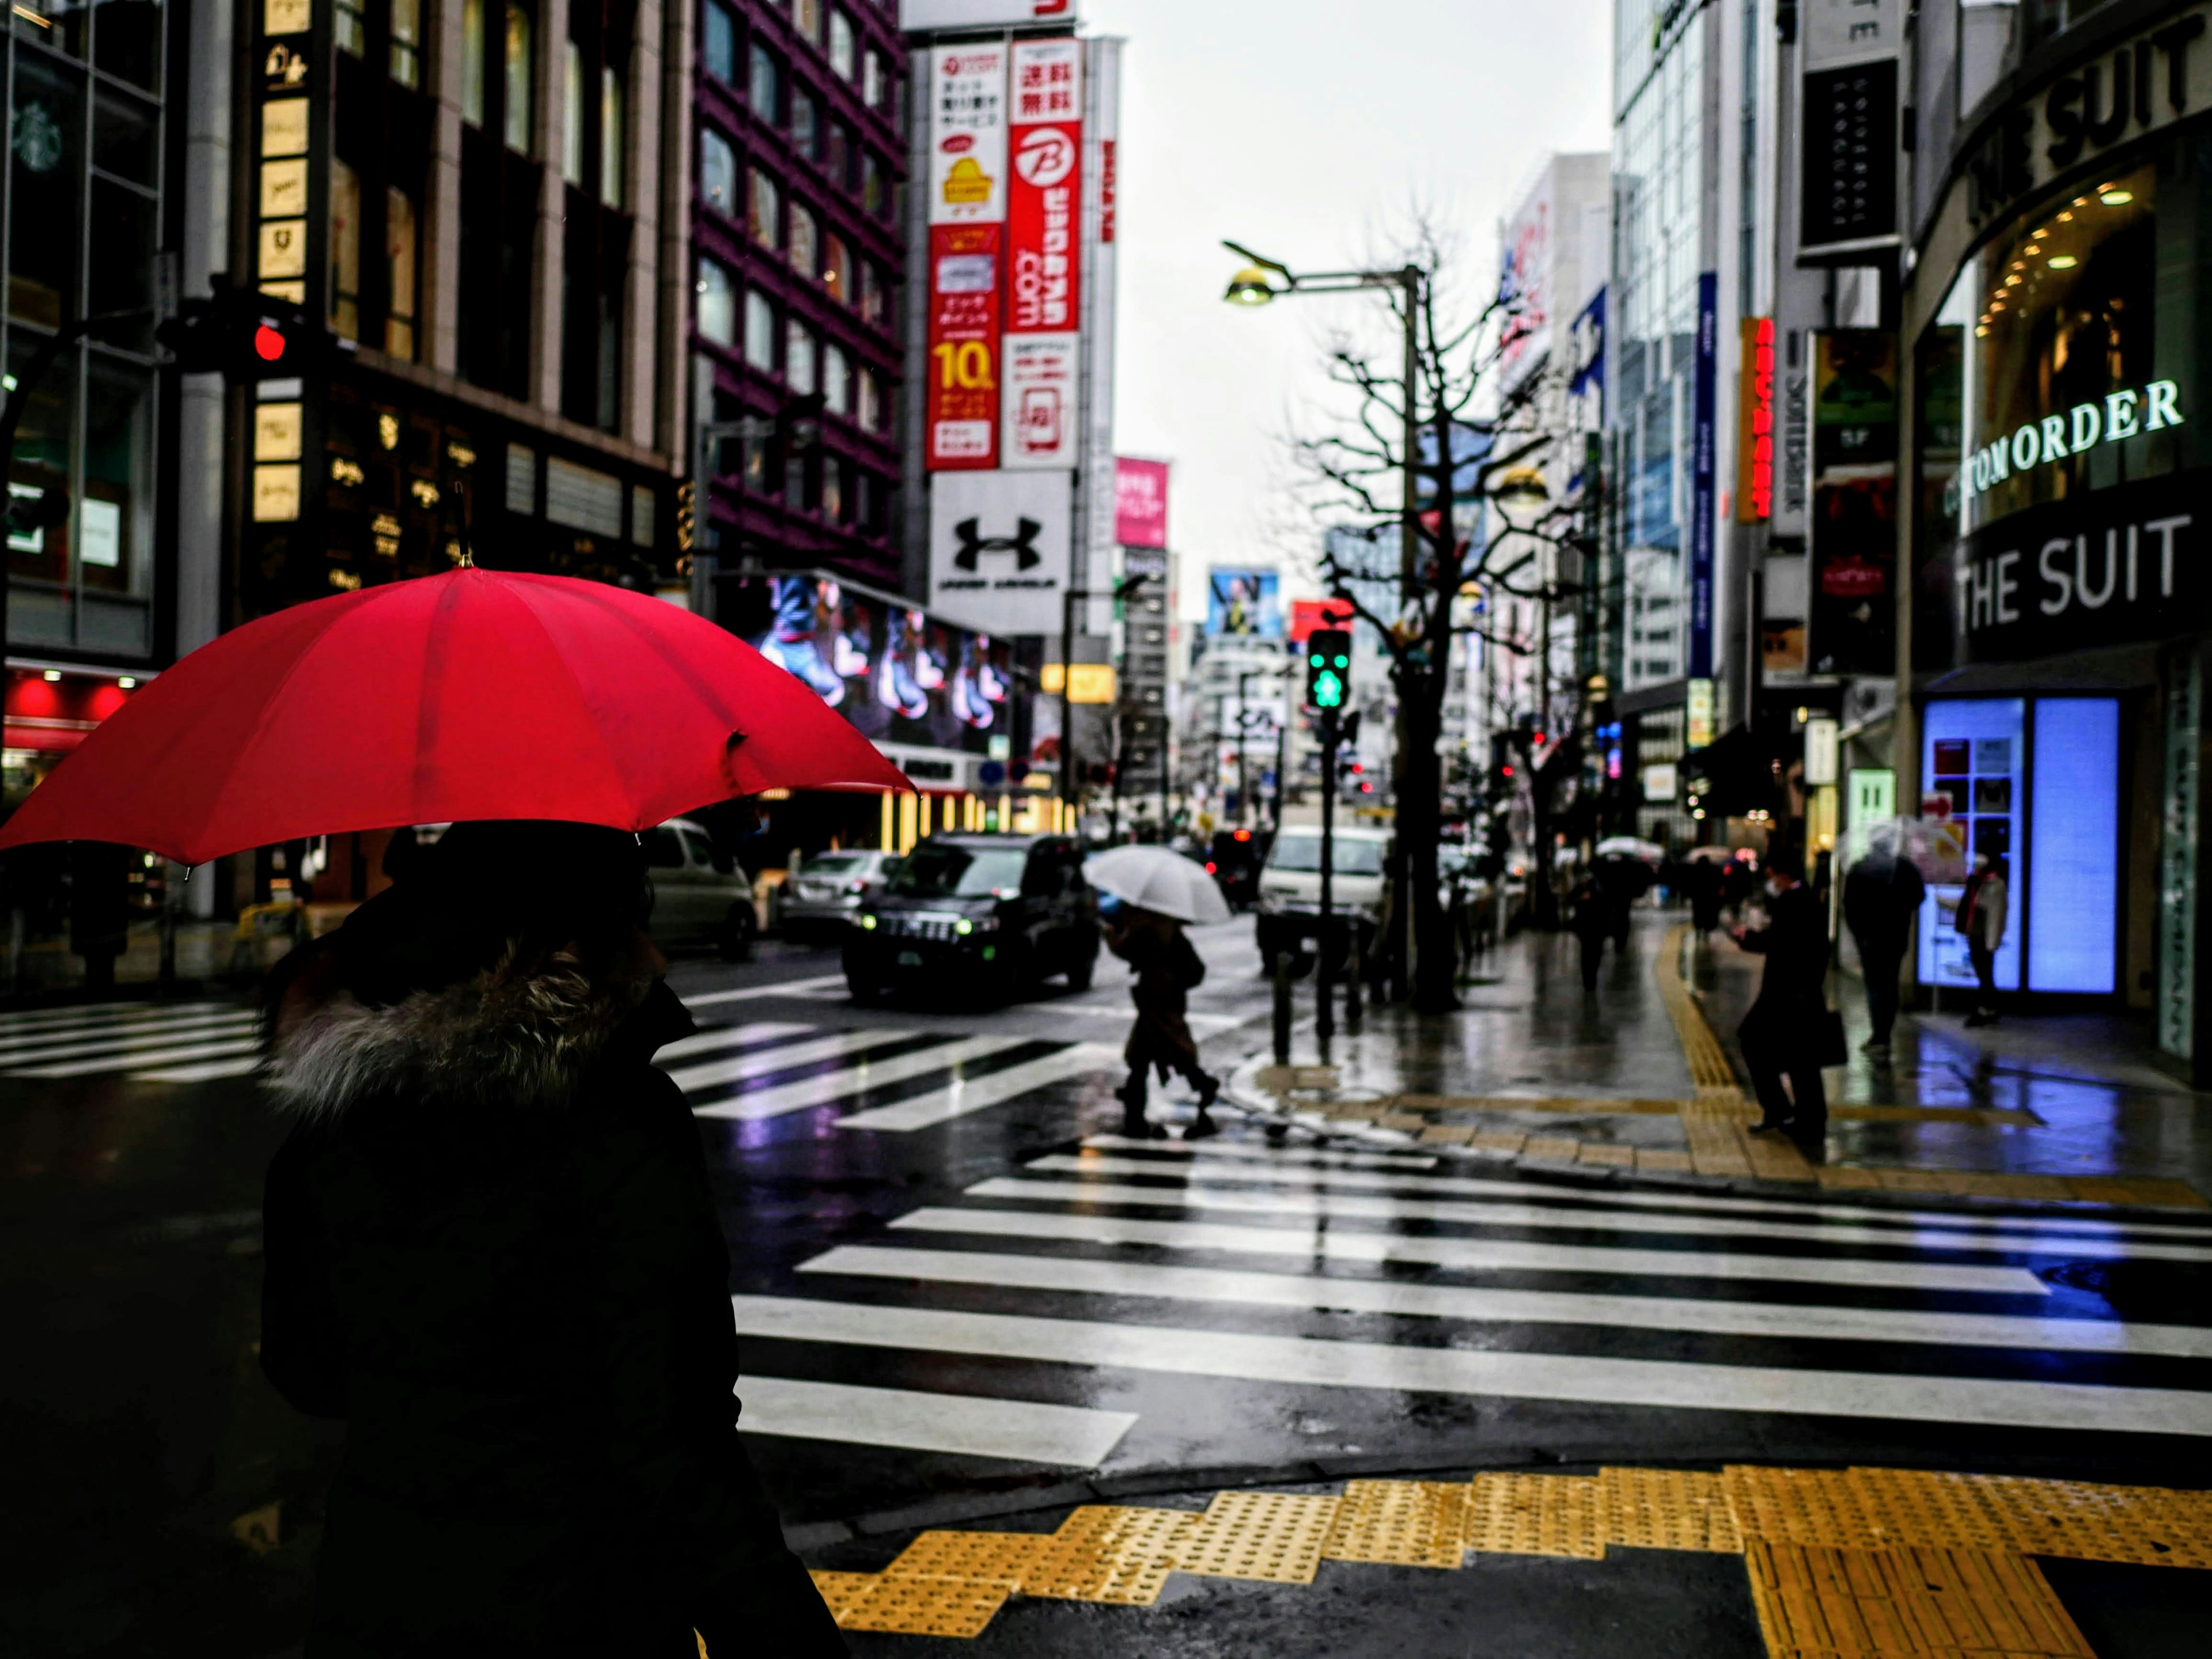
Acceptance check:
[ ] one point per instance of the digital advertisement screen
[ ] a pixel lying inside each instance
(1243, 602)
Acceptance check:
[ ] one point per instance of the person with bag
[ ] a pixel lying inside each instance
(492, 1249)
(1168, 968)
(1790, 1031)
(1979, 916)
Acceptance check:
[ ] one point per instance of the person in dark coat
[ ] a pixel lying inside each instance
(1882, 894)
(1781, 1035)
(491, 1249)
(1167, 968)
(1595, 913)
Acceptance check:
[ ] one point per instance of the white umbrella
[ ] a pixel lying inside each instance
(1630, 847)
(1154, 878)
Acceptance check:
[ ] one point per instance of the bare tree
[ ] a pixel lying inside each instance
(1467, 444)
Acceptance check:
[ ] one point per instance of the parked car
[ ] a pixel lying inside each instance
(700, 895)
(1290, 888)
(979, 913)
(829, 890)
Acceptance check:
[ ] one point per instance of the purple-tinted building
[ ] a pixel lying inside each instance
(798, 157)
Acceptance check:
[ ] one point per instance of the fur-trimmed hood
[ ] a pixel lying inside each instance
(518, 1033)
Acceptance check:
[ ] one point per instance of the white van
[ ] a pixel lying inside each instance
(1289, 886)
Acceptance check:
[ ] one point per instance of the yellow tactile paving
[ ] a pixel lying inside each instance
(1820, 1603)
(1104, 1553)
(1666, 1510)
(1276, 1537)
(1413, 1523)
(1535, 1514)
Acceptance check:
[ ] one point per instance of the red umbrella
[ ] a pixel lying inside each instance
(477, 693)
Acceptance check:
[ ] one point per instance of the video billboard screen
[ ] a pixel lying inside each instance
(1243, 601)
(898, 674)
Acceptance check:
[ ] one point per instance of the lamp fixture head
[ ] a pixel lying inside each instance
(1250, 286)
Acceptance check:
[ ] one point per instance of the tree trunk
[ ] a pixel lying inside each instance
(1420, 823)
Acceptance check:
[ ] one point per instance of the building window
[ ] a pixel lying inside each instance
(405, 272)
(345, 252)
(764, 209)
(721, 47)
(837, 162)
(836, 380)
(805, 242)
(871, 401)
(350, 29)
(871, 78)
(806, 123)
(472, 62)
(611, 128)
(718, 171)
(717, 293)
(833, 490)
(837, 268)
(806, 18)
(572, 114)
(875, 192)
(875, 293)
(765, 90)
(760, 331)
(843, 49)
(518, 59)
(799, 357)
(407, 42)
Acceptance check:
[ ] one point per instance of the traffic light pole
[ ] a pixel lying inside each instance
(1325, 1014)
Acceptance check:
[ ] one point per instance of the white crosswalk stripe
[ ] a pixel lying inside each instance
(860, 1077)
(147, 1042)
(1231, 1261)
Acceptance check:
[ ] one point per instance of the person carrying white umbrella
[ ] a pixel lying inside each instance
(1159, 892)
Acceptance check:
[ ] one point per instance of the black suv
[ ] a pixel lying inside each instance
(985, 914)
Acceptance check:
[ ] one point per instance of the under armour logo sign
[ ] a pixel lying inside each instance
(1020, 543)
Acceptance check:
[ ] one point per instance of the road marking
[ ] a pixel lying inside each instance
(972, 1426)
(207, 1071)
(1327, 1242)
(836, 1045)
(1299, 1156)
(102, 1013)
(728, 1036)
(1110, 1010)
(1654, 1313)
(963, 1096)
(121, 1041)
(241, 1045)
(1579, 1378)
(1322, 1189)
(858, 1078)
(787, 987)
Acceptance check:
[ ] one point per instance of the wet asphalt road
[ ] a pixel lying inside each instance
(964, 1302)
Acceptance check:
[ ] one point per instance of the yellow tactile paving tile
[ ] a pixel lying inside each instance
(1844, 1562)
(1561, 1147)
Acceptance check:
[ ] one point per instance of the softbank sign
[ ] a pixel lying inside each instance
(2122, 415)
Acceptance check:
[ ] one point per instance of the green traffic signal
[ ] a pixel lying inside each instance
(1328, 662)
(1328, 690)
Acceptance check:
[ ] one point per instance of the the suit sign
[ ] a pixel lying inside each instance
(998, 549)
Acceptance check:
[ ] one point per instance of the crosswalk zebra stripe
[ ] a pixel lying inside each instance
(789, 988)
(972, 1426)
(1172, 1154)
(206, 1071)
(213, 1050)
(729, 1036)
(859, 1078)
(2086, 1225)
(121, 1042)
(1332, 1242)
(1578, 1378)
(1323, 1190)
(104, 1014)
(836, 1045)
(1319, 1291)
(958, 1098)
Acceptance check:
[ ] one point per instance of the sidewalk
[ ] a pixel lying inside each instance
(1644, 1079)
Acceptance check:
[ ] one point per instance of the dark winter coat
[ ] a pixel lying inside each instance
(1795, 942)
(1882, 893)
(1167, 967)
(491, 1249)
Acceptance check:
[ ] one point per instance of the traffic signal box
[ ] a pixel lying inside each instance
(242, 335)
(1328, 668)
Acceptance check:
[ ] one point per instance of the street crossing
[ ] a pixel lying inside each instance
(194, 1042)
(1124, 1274)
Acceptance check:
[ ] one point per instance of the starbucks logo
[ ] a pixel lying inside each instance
(37, 138)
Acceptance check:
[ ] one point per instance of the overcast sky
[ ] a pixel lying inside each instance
(1309, 130)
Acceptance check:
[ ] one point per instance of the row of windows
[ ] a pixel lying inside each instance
(839, 489)
(817, 255)
(829, 29)
(822, 138)
(788, 346)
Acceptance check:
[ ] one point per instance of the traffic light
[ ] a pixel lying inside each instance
(1328, 668)
(242, 335)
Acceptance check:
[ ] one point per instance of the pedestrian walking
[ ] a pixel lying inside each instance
(1979, 913)
(1785, 1033)
(1882, 894)
(492, 1249)
(1167, 968)
(1701, 883)
(1595, 913)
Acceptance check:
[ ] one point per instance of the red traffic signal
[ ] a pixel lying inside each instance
(241, 334)
(268, 343)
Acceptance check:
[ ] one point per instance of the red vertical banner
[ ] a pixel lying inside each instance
(962, 374)
(1044, 212)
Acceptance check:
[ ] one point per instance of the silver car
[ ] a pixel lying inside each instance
(699, 894)
(829, 888)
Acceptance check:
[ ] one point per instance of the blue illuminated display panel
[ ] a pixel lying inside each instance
(2073, 888)
(1974, 755)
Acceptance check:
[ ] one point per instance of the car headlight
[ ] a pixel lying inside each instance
(968, 925)
(868, 921)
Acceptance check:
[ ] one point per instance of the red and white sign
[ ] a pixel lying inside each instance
(1307, 615)
(1140, 503)
(1043, 319)
(967, 246)
(919, 16)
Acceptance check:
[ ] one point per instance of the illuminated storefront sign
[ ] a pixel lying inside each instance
(1754, 442)
(2120, 416)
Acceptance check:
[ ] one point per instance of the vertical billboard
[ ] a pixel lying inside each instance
(1853, 625)
(967, 232)
(1850, 125)
(1140, 503)
(1525, 286)
(1038, 423)
(1702, 464)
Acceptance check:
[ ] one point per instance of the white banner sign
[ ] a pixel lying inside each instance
(967, 134)
(999, 544)
(919, 16)
(1037, 425)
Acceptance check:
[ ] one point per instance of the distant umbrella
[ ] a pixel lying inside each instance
(1630, 847)
(1154, 878)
